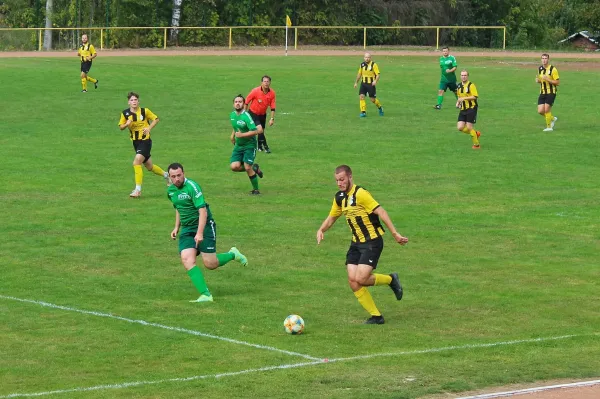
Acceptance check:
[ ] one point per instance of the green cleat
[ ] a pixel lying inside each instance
(204, 298)
(238, 256)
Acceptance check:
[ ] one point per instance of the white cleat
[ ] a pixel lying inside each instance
(548, 129)
(553, 122)
(135, 194)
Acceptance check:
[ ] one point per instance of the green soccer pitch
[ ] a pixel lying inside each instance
(501, 274)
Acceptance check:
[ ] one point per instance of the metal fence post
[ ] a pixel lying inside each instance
(437, 38)
(365, 38)
(165, 40)
(230, 39)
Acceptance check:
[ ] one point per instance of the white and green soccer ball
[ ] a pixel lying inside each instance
(293, 324)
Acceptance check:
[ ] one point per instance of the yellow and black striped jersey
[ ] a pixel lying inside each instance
(86, 50)
(547, 87)
(139, 120)
(368, 71)
(357, 205)
(467, 89)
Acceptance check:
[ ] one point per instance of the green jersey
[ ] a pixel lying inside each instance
(243, 123)
(448, 63)
(187, 200)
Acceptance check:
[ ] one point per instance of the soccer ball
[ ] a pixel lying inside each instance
(293, 324)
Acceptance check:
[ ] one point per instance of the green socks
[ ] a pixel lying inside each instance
(254, 181)
(225, 258)
(198, 280)
(440, 100)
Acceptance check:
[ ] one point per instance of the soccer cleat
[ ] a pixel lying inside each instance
(478, 133)
(238, 256)
(438, 106)
(548, 129)
(84, 91)
(380, 111)
(267, 149)
(257, 170)
(476, 147)
(167, 179)
(362, 115)
(96, 84)
(254, 192)
(396, 286)
(135, 193)
(553, 122)
(204, 298)
(375, 320)
(260, 149)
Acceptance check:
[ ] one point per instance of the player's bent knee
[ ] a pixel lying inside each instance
(210, 260)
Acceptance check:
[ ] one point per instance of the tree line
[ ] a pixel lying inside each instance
(530, 23)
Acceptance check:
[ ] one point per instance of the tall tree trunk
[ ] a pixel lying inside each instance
(48, 32)
(176, 17)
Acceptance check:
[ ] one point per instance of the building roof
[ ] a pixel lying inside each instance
(583, 33)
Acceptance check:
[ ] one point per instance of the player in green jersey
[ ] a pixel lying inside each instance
(197, 230)
(243, 138)
(448, 80)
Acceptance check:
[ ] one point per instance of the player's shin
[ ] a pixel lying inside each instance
(254, 181)
(198, 280)
(382, 279)
(366, 300)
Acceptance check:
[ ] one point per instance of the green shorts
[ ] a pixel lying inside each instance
(208, 244)
(448, 85)
(243, 154)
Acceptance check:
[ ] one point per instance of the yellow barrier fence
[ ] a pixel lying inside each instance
(159, 35)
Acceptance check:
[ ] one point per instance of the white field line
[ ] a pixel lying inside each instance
(140, 383)
(146, 323)
(532, 390)
(288, 366)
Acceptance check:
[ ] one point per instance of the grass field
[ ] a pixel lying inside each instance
(501, 274)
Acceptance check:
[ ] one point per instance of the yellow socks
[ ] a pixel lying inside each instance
(382, 279)
(366, 300)
(472, 133)
(474, 138)
(157, 170)
(139, 175)
(377, 103)
(84, 83)
(363, 105)
(91, 80)
(548, 117)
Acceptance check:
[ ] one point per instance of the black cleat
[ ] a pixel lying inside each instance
(375, 320)
(96, 84)
(257, 170)
(438, 106)
(254, 192)
(396, 286)
(84, 91)
(267, 150)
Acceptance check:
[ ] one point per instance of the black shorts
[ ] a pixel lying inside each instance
(86, 66)
(368, 88)
(468, 115)
(143, 147)
(546, 99)
(259, 119)
(365, 253)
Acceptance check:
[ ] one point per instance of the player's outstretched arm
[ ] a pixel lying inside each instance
(327, 223)
(383, 215)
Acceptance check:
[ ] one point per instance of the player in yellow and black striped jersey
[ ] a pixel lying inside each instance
(467, 103)
(362, 214)
(86, 53)
(136, 119)
(548, 79)
(368, 75)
